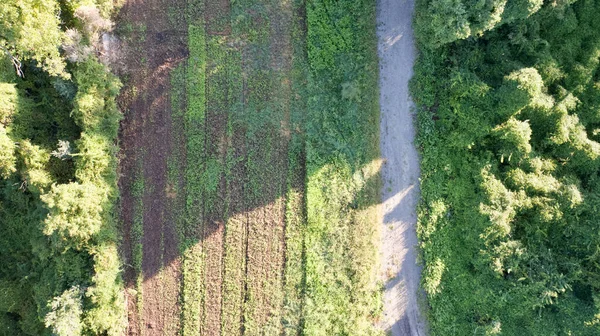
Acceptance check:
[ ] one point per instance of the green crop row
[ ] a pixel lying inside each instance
(234, 257)
(193, 257)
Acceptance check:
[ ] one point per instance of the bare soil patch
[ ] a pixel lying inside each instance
(152, 47)
(247, 128)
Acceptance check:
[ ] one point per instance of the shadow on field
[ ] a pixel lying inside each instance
(207, 197)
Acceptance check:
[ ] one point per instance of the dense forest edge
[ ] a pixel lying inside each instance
(508, 115)
(59, 121)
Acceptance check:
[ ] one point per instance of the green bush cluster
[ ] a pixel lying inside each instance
(510, 160)
(444, 21)
(60, 271)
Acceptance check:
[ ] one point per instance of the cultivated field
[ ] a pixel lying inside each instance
(245, 208)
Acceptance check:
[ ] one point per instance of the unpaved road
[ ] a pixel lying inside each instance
(400, 172)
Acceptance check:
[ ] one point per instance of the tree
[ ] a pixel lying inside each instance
(33, 166)
(30, 29)
(445, 21)
(64, 318)
(74, 214)
(8, 102)
(7, 154)
(512, 139)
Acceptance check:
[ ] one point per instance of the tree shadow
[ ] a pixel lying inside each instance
(214, 187)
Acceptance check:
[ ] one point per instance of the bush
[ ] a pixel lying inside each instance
(74, 214)
(64, 318)
(7, 154)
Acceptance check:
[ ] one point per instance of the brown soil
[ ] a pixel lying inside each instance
(235, 242)
(256, 215)
(152, 48)
(266, 221)
(217, 23)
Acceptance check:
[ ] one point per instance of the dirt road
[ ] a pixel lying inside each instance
(400, 172)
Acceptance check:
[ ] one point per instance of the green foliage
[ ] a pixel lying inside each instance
(96, 170)
(30, 29)
(520, 89)
(74, 214)
(509, 168)
(341, 144)
(34, 166)
(106, 314)
(512, 139)
(64, 318)
(95, 106)
(444, 21)
(7, 154)
(449, 21)
(60, 269)
(10, 295)
(95, 161)
(8, 102)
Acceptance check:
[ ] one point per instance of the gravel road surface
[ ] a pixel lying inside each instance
(400, 171)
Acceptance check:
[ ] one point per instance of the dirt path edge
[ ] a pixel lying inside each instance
(400, 172)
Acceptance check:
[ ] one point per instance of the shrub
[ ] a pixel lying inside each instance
(74, 214)
(7, 154)
(8, 102)
(64, 318)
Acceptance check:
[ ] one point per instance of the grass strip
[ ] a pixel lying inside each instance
(294, 275)
(235, 228)
(342, 145)
(193, 259)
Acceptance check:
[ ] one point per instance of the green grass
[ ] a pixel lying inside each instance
(193, 257)
(341, 147)
(234, 258)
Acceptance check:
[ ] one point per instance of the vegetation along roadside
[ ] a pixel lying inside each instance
(508, 102)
